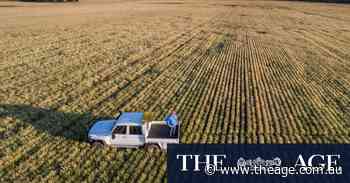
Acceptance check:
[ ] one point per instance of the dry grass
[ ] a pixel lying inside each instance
(235, 72)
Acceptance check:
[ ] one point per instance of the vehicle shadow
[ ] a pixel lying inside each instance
(69, 125)
(9, 6)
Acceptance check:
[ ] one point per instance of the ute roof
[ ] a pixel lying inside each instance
(128, 118)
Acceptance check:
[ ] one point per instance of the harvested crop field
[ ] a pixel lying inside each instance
(235, 72)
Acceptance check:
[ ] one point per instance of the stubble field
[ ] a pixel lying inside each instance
(235, 72)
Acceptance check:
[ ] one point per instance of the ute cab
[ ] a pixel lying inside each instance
(132, 130)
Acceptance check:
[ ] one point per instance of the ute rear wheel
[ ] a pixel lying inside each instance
(97, 144)
(152, 147)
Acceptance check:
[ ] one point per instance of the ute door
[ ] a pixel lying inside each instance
(119, 136)
(136, 137)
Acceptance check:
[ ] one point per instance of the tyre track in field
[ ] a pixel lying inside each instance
(36, 142)
(114, 93)
(62, 40)
(187, 69)
(323, 94)
(320, 91)
(138, 61)
(194, 115)
(181, 69)
(60, 70)
(284, 53)
(109, 68)
(197, 81)
(201, 96)
(73, 68)
(169, 81)
(305, 93)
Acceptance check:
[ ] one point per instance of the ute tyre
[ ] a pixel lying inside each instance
(152, 148)
(97, 144)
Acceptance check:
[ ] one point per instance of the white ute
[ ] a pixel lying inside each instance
(130, 130)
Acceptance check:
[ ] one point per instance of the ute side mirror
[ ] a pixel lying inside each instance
(119, 114)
